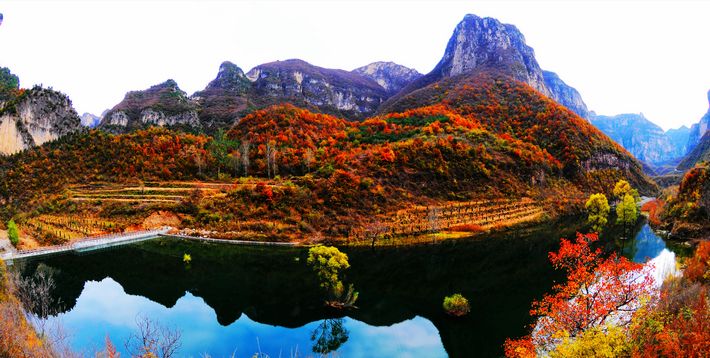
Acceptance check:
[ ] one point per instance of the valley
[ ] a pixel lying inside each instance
(312, 211)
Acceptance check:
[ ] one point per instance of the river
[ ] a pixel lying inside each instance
(242, 300)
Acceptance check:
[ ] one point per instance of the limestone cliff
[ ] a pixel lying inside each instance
(644, 139)
(564, 94)
(35, 116)
(338, 92)
(391, 76)
(699, 129)
(160, 105)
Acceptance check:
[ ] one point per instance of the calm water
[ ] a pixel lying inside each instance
(242, 300)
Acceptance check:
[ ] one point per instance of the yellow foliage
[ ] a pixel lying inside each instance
(605, 342)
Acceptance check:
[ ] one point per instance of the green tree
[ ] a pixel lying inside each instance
(626, 212)
(12, 233)
(328, 263)
(598, 209)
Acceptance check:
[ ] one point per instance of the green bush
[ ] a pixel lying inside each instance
(456, 305)
(12, 233)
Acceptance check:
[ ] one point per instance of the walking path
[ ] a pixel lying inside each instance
(234, 242)
(86, 244)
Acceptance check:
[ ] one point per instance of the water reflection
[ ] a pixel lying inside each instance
(329, 336)
(645, 245)
(266, 299)
(96, 315)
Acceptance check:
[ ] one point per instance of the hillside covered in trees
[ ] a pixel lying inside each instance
(302, 173)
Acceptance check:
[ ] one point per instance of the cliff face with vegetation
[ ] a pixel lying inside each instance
(391, 76)
(644, 139)
(161, 105)
(339, 92)
(687, 213)
(30, 117)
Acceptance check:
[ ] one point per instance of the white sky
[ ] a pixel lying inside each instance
(651, 57)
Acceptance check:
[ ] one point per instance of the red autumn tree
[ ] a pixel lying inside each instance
(598, 290)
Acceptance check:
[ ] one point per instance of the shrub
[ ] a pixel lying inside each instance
(12, 233)
(456, 305)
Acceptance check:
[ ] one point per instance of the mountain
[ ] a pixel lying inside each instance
(164, 104)
(225, 98)
(687, 213)
(565, 95)
(701, 153)
(337, 92)
(678, 138)
(391, 76)
(644, 139)
(485, 44)
(30, 117)
(512, 109)
(699, 129)
(90, 120)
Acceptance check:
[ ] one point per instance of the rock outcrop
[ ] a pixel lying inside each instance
(30, 117)
(482, 44)
(699, 129)
(699, 154)
(161, 105)
(225, 99)
(391, 76)
(486, 45)
(565, 95)
(644, 139)
(337, 92)
(90, 120)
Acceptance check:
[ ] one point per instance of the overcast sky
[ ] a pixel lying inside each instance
(623, 57)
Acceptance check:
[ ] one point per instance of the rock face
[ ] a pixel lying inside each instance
(699, 129)
(391, 76)
(161, 105)
(331, 91)
(225, 98)
(644, 139)
(90, 120)
(565, 95)
(700, 153)
(32, 117)
(486, 44)
(678, 138)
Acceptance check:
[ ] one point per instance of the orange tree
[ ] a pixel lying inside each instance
(597, 291)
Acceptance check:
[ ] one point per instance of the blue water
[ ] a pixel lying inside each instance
(646, 245)
(96, 316)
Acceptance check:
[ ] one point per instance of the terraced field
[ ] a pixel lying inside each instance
(60, 228)
(151, 192)
(467, 216)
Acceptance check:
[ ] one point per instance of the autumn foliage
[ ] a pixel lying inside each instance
(597, 290)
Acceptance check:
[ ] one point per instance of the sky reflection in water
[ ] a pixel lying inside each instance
(105, 309)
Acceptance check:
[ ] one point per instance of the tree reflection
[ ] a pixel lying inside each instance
(329, 336)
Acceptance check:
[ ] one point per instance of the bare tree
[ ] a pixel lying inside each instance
(308, 159)
(271, 168)
(244, 149)
(153, 340)
(35, 294)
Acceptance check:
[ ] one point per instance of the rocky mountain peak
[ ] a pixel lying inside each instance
(164, 104)
(486, 42)
(230, 78)
(90, 120)
(391, 76)
(34, 116)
